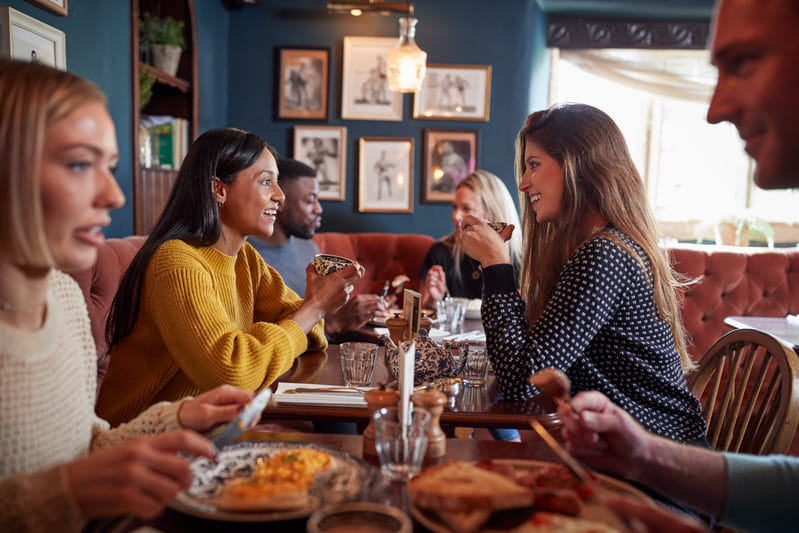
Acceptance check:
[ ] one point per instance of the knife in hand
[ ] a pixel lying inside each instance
(238, 425)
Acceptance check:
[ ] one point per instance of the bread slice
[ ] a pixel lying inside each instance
(246, 495)
(462, 487)
(466, 522)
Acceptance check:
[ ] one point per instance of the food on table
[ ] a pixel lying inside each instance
(553, 382)
(545, 522)
(280, 482)
(464, 496)
(500, 496)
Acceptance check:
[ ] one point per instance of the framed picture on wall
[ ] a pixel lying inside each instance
(385, 175)
(364, 83)
(449, 156)
(302, 78)
(324, 149)
(454, 92)
(58, 7)
(28, 39)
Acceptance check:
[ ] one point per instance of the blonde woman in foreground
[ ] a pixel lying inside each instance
(60, 465)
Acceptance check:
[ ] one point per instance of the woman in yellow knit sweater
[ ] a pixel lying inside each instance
(198, 306)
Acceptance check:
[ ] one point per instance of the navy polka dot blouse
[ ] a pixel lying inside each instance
(602, 329)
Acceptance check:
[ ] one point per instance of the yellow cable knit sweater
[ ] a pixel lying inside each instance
(48, 380)
(206, 318)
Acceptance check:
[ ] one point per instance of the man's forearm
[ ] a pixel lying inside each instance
(694, 476)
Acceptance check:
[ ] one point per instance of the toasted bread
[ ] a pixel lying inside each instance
(464, 522)
(245, 494)
(463, 487)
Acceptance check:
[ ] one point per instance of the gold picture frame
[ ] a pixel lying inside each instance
(449, 156)
(385, 175)
(302, 76)
(454, 92)
(324, 149)
(57, 7)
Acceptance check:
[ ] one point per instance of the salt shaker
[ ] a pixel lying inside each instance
(433, 401)
(376, 399)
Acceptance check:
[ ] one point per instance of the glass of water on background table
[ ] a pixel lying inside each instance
(357, 363)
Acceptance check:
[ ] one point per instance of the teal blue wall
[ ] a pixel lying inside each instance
(236, 54)
(450, 31)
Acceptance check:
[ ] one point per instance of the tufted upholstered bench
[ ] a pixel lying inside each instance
(733, 281)
(383, 255)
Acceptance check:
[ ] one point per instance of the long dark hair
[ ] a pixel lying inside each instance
(191, 213)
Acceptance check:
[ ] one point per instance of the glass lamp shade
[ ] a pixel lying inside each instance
(407, 63)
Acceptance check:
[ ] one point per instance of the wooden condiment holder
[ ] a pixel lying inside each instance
(433, 401)
(396, 328)
(376, 399)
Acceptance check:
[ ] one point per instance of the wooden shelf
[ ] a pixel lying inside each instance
(174, 96)
(162, 77)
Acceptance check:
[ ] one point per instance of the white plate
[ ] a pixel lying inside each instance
(238, 460)
(593, 512)
(473, 309)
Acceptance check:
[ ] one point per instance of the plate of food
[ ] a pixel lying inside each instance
(521, 496)
(473, 309)
(261, 481)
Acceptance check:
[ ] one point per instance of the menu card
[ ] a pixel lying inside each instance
(405, 383)
(411, 310)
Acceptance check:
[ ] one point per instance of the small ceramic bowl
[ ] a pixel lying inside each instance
(358, 516)
(325, 264)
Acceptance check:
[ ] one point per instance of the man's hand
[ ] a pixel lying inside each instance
(356, 313)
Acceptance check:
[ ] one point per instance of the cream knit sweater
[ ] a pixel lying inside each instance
(47, 391)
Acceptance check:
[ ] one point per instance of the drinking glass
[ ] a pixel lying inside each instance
(401, 450)
(450, 312)
(475, 368)
(358, 363)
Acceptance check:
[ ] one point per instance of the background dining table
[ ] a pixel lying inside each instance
(395, 494)
(473, 407)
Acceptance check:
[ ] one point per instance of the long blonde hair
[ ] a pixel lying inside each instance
(499, 206)
(32, 98)
(599, 174)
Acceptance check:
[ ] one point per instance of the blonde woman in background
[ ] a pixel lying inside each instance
(446, 267)
(60, 465)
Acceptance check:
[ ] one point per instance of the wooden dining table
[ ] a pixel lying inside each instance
(395, 494)
(472, 407)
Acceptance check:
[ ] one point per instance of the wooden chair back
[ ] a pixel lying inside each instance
(748, 382)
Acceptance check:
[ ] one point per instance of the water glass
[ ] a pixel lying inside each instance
(450, 312)
(358, 363)
(475, 368)
(401, 450)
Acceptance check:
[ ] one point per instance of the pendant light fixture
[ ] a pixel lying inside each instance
(407, 63)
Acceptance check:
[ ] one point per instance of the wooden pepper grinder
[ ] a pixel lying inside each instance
(396, 328)
(433, 401)
(376, 399)
(425, 322)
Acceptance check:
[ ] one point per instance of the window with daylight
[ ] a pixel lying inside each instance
(697, 174)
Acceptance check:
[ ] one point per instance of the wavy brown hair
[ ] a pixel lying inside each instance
(598, 174)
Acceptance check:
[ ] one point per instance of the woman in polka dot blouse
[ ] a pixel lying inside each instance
(597, 296)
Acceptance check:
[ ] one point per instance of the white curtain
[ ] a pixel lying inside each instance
(650, 71)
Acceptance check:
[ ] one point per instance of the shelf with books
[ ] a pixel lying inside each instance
(174, 100)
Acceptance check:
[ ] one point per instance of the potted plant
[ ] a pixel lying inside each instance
(738, 229)
(163, 38)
